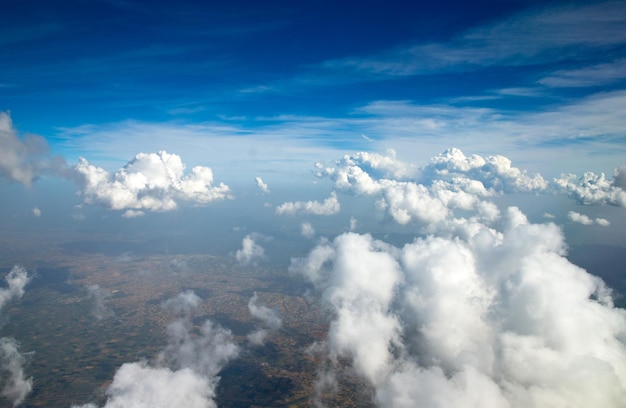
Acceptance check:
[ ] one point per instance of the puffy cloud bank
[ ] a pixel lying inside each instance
(329, 206)
(151, 182)
(499, 318)
(484, 310)
(185, 374)
(593, 188)
(15, 385)
(453, 182)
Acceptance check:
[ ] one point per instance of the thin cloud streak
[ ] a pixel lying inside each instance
(540, 37)
(592, 127)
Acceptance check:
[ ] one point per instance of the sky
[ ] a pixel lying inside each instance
(465, 149)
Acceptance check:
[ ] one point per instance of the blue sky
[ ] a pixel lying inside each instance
(540, 77)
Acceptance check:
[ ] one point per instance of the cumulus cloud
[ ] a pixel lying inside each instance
(99, 297)
(16, 281)
(494, 172)
(329, 206)
(36, 212)
(269, 318)
(586, 220)
(593, 188)
(250, 251)
(15, 385)
(184, 374)
(579, 218)
(453, 183)
(150, 182)
(262, 185)
(497, 318)
(307, 230)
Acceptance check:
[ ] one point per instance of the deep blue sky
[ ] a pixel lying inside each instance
(67, 63)
(70, 63)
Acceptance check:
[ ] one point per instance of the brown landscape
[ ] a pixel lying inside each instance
(74, 349)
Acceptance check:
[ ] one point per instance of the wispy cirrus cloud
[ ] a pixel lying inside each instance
(594, 75)
(589, 129)
(540, 36)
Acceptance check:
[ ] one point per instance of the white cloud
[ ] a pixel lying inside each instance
(453, 183)
(185, 372)
(494, 172)
(586, 220)
(15, 385)
(16, 281)
(329, 206)
(99, 296)
(269, 318)
(184, 303)
(133, 214)
(579, 218)
(430, 195)
(36, 212)
(585, 133)
(594, 75)
(498, 318)
(307, 230)
(353, 223)
(262, 185)
(593, 188)
(250, 251)
(23, 160)
(152, 182)
(540, 36)
(18, 158)
(595, 122)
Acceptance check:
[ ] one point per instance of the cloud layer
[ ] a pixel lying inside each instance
(484, 310)
(452, 182)
(498, 319)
